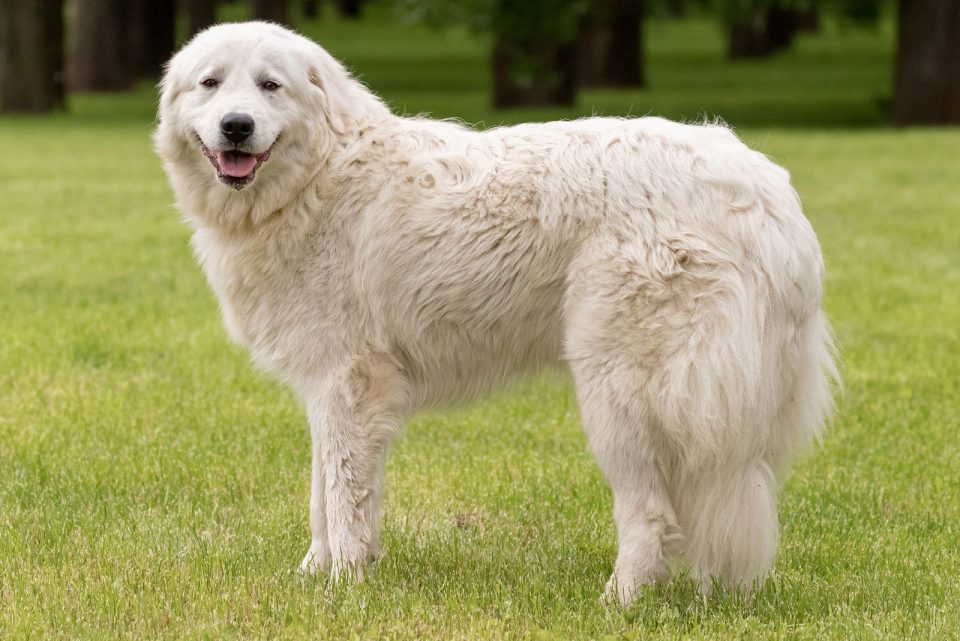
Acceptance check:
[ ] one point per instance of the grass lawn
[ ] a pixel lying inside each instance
(153, 485)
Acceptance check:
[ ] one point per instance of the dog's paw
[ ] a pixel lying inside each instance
(616, 594)
(316, 560)
(623, 591)
(349, 572)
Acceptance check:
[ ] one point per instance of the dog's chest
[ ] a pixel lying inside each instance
(267, 303)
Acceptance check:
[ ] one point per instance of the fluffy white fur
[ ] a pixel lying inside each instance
(379, 264)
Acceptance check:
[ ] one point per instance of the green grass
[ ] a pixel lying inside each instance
(153, 485)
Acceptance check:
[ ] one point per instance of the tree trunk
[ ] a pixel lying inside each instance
(760, 33)
(594, 53)
(611, 45)
(677, 9)
(310, 9)
(927, 85)
(527, 75)
(272, 10)
(535, 53)
(200, 15)
(781, 26)
(349, 8)
(748, 39)
(152, 35)
(31, 55)
(101, 53)
(54, 53)
(808, 19)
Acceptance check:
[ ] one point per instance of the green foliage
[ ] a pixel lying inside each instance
(862, 11)
(516, 20)
(738, 11)
(528, 20)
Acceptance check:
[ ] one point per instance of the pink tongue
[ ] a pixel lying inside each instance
(235, 164)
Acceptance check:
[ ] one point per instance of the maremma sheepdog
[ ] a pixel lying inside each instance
(379, 264)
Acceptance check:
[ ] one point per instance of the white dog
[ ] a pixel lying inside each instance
(379, 264)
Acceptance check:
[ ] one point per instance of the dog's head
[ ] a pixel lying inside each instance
(253, 108)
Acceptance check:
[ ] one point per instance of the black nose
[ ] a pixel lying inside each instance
(237, 127)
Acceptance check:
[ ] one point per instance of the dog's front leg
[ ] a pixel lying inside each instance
(353, 421)
(318, 556)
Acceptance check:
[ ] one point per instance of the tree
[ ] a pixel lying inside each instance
(535, 43)
(200, 14)
(677, 9)
(808, 18)
(272, 10)
(152, 35)
(31, 55)
(865, 12)
(349, 8)
(310, 9)
(782, 25)
(611, 44)
(118, 41)
(531, 74)
(758, 28)
(535, 52)
(927, 85)
(101, 59)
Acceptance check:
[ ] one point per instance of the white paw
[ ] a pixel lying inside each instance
(624, 587)
(316, 560)
(349, 572)
(618, 593)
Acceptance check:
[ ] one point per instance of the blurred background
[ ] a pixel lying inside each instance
(826, 63)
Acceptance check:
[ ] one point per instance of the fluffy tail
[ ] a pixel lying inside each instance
(728, 510)
(808, 402)
(730, 522)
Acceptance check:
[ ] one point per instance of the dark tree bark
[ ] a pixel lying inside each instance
(760, 33)
(808, 19)
(677, 9)
(748, 38)
(310, 9)
(781, 26)
(101, 59)
(927, 85)
(152, 35)
(273, 10)
(349, 8)
(527, 75)
(611, 45)
(200, 14)
(54, 53)
(31, 55)
(594, 53)
(535, 57)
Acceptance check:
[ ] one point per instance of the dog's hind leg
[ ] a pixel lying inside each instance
(665, 345)
(354, 417)
(622, 442)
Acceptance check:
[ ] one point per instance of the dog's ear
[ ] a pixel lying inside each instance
(329, 102)
(169, 90)
(342, 101)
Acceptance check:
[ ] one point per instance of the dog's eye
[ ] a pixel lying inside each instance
(269, 85)
(209, 83)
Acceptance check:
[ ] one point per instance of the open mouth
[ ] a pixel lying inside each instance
(235, 167)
